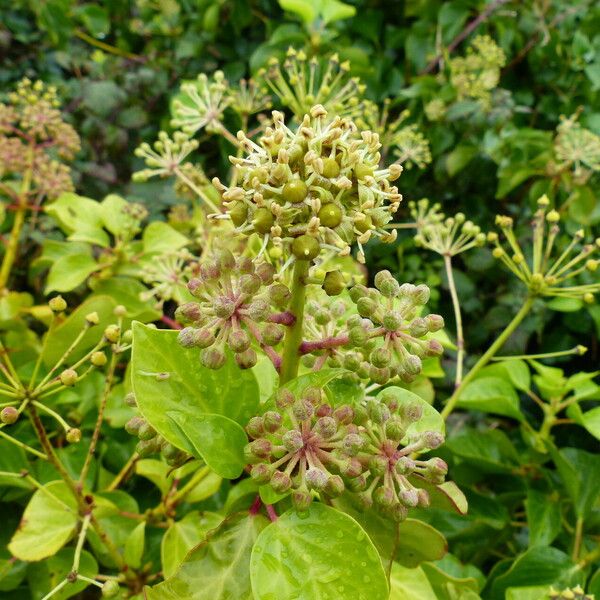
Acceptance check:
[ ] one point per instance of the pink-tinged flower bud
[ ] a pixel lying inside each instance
(301, 500)
(353, 443)
(410, 497)
(189, 312)
(261, 473)
(432, 439)
(266, 272)
(284, 399)
(392, 321)
(187, 337)
(73, 435)
(378, 464)
(9, 415)
(334, 486)
(324, 410)
(239, 340)
(434, 348)
(272, 421)
(272, 334)
(435, 322)
(412, 364)
(411, 412)
(358, 484)
(255, 427)
(246, 359)
(258, 309)
(224, 307)
(279, 294)
(292, 440)
(405, 465)
(130, 400)
(313, 395)
(225, 259)
(316, 479)
(344, 414)
(250, 284)
(133, 425)
(365, 500)
(390, 399)
(398, 512)
(384, 497)
(350, 467)
(418, 327)
(212, 358)
(280, 482)
(210, 271)
(205, 337)
(195, 287)
(326, 427)
(260, 448)
(424, 500)
(437, 466)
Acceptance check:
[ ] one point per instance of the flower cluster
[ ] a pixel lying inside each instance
(301, 83)
(545, 270)
(577, 148)
(202, 104)
(475, 75)
(307, 447)
(150, 442)
(448, 236)
(249, 97)
(575, 593)
(389, 327)
(33, 137)
(237, 305)
(319, 186)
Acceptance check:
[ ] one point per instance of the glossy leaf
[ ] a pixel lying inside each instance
(543, 517)
(314, 554)
(491, 395)
(134, 546)
(160, 237)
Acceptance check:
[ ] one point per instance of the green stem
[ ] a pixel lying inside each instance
(293, 337)
(485, 358)
(578, 538)
(460, 340)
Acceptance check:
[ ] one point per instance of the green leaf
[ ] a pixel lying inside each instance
(334, 10)
(543, 517)
(516, 371)
(95, 19)
(69, 272)
(410, 583)
(46, 575)
(449, 587)
(126, 292)
(217, 440)
(311, 555)
(161, 237)
(48, 523)
(491, 395)
(459, 158)
(134, 546)
(80, 218)
(537, 566)
(305, 9)
(193, 407)
(218, 568)
(590, 419)
(182, 536)
(583, 206)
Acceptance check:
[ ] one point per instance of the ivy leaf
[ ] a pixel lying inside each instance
(314, 554)
(491, 395)
(197, 409)
(543, 517)
(48, 523)
(516, 371)
(161, 237)
(218, 568)
(69, 272)
(134, 546)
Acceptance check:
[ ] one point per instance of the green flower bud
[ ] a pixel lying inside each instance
(146, 448)
(334, 486)
(255, 427)
(272, 421)
(378, 464)
(363, 223)
(263, 220)
(381, 357)
(92, 318)
(279, 294)
(250, 283)
(292, 440)
(9, 415)
(418, 327)
(57, 304)
(305, 247)
(112, 333)
(266, 272)
(359, 483)
(357, 292)
(316, 479)
(303, 409)
(334, 283)
(412, 364)
(133, 425)
(284, 399)
(261, 473)
(353, 443)
(280, 482)
(331, 168)
(239, 340)
(421, 294)
(358, 336)
(367, 307)
(73, 435)
(98, 359)
(392, 321)
(68, 377)
(110, 588)
(394, 429)
(301, 500)
(351, 362)
(238, 212)
(169, 451)
(398, 512)
(312, 394)
(246, 359)
(225, 259)
(380, 376)
(411, 412)
(224, 307)
(212, 358)
(146, 431)
(330, 215)
(363, 170)
(244, 265)
(294, 192)
(384, 497)
(434, 322)
(272, 334)
(260, 448)
(326, 427)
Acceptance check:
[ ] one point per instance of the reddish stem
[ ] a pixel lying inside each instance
(172, 323)
(330, 342)
(283, 318)
(271, 512)
(255, 507)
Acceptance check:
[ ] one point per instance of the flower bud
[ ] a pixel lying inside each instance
(432, 439)
(292, 440)
(409, 497)
(424, 500)
(358, 336)
(265, 271)
(378, 412)
(334, 486)
(279, 294)
(133, 425)
(367, 307)
(120, 311)
(378, 464)
(384, 497)
(357, 292)
(73, 435)
(386, 284)
(263, 220)
(146, 431)
(301, 500)
(112, 333)
(284, 399)
(272, 334)
(306, 247)
(334, 283)
(419, 327)
(224, 307)
(326, 427)
(255, 427)
(250, 284)
(146, 448)
(92, 318)
(435, 322)
(394, 429)
(68, 377)
(258, 309)
(353, 443)
(239, 340)
(412, 364)
(398, 512)
(57, 304)
(9, 415)
(261, 473)
(381, 357)
(272, 421)
(280, 482)
(110, 588)
(378, 375)
(212, 358)
(316, 479)
(260, 448)
(303, 409)
(169, 451)
(98, 359)
(404, 465)
(344, 414)
(434, 348)
(189, 312)
(204, 338)
(312, 394)
(188, 336)
(246, 359)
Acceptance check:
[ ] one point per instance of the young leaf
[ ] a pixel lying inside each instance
(134, 547)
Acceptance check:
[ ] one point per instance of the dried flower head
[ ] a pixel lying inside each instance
(448, 236)
(319, 186)
(202, 104)
(302, 82)
(546, 270)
